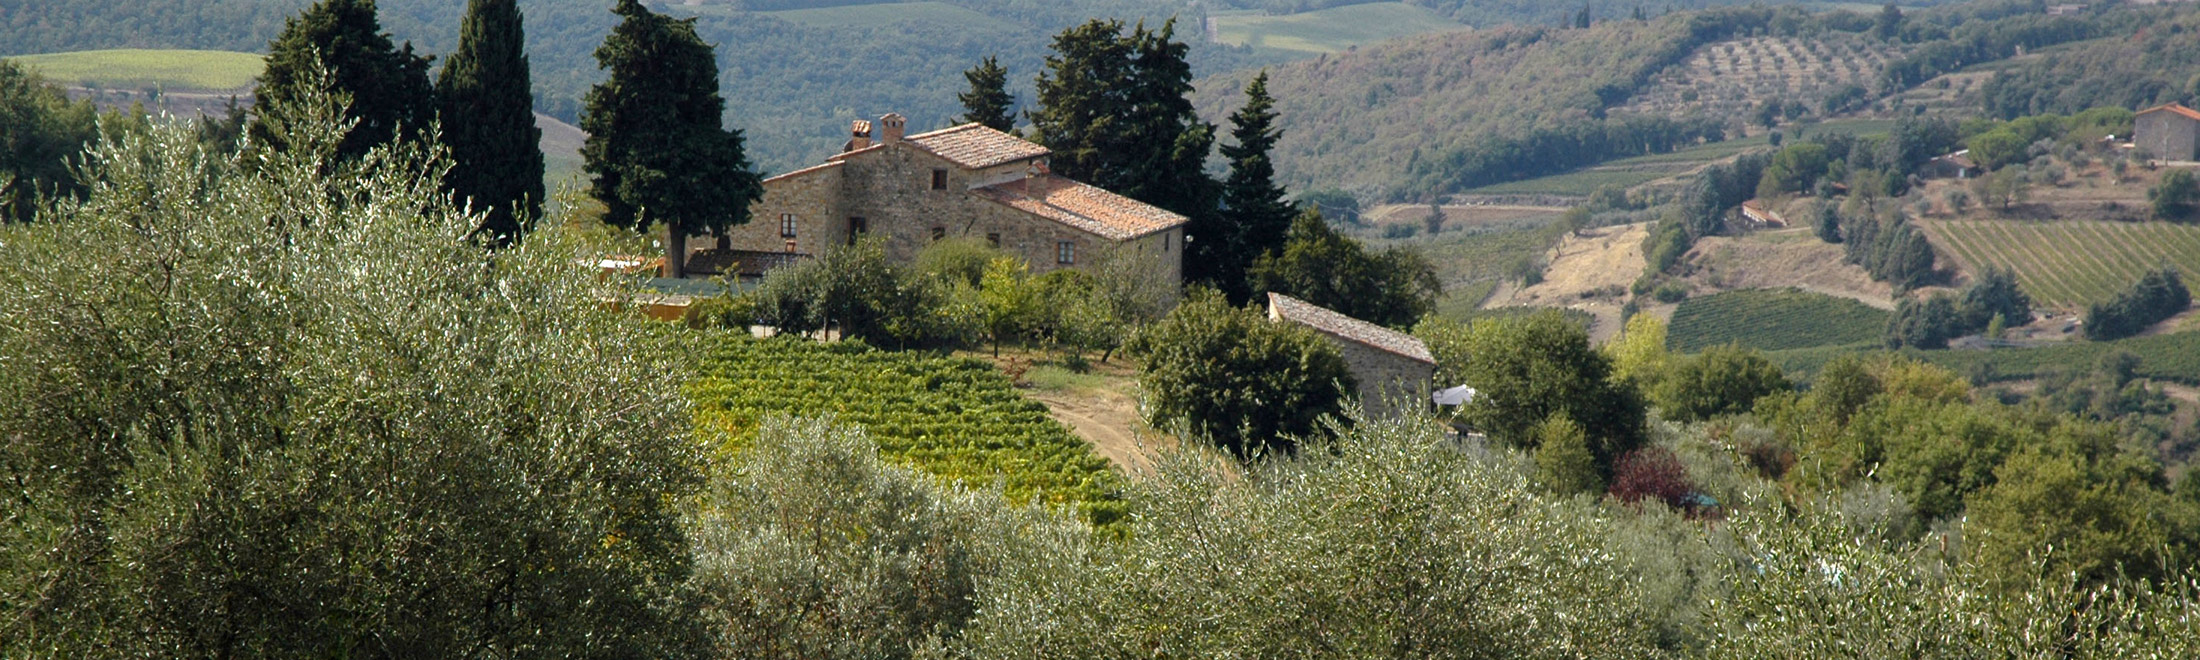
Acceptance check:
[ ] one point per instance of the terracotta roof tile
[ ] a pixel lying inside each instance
(1081, 206)
(974, 146)
(1348, 328)
(2177, 108)
(813, 169)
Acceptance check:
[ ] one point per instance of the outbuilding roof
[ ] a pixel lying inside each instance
(1082, 206)
(2176, 108)
(976, 146)
(1347, 328)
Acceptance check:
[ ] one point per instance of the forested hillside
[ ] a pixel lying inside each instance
(794, 76)
(1448, 111)
(2151, 63)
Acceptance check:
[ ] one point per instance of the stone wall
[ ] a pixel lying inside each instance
(2166, 135)
(1390, 384)
(812, 198)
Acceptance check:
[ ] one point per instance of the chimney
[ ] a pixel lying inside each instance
(859, 136)
(891, 127)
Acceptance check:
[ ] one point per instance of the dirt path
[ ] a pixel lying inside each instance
(1109, 421)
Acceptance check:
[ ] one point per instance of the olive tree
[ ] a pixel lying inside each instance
(290, 411)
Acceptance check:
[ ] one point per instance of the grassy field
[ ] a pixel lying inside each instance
(1772, 319)
(1328, 30)
(1471, 263)
(139, 69)
(2171, 357)
(2069, 264)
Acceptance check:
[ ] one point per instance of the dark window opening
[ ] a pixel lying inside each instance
(994, 239)
(939, 179)
(939, 233)
(857, 227)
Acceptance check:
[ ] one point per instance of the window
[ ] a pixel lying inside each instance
(939, 233)
(786, 225)
(939, 179)
(857, 227)
(994, 239)
(1065, 252)
(1166, 238)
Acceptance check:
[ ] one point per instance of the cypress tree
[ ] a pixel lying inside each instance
(988, 101)
(487, 104)
(388, 86)
(656, 148)
(1254, 216)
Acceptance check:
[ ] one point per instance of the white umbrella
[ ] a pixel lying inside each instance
(1456, 396)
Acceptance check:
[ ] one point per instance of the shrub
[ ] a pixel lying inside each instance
(1651, 473)
(1524, 370)
(2175, 195)
(1232, 376)
(1723, 380)
(1563, 464)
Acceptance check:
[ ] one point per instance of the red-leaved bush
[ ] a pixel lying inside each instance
(1651, 473)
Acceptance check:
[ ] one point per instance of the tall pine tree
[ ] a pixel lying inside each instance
(988, 101)
(487, 105)
(656, 148)
(1254, 216)
(388, 86)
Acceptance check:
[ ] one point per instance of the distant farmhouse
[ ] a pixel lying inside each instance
(2168, 132)
(1394, 368)
(966, 181)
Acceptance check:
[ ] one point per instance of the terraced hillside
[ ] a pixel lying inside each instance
(2068, 264)
(1729, 78)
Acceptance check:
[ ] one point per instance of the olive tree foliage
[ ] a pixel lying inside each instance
(292, 411)
(1816, 590)
(810, 546)
(1385, 543)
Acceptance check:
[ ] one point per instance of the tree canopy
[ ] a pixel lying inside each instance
(1316, 264)
(386, 86)
(1254, 218)
(486, 100)
(988, 102)
(1250, 385)
(656, 148)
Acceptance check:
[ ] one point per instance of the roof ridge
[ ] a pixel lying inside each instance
(1354, 330)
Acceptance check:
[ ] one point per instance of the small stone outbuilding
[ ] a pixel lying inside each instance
(965, 181)
(1394, 368)
(2168, 132)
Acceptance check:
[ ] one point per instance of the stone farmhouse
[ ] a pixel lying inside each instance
(1394, 368)
(2168, 132)
(965, 181)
